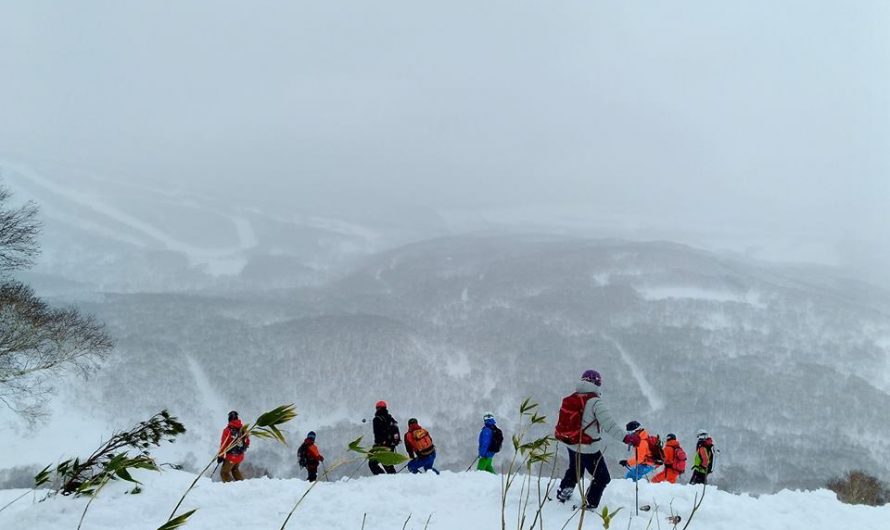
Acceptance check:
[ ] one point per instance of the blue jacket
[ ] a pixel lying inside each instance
(485, 439)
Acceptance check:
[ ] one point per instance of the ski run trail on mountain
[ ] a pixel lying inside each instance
(655, 401)
(450, 501)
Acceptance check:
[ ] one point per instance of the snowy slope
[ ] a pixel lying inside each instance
(451, 501)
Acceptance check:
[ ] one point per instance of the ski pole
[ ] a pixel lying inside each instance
(637, 480)
(473, 463)
(324, 470)
(214, 469)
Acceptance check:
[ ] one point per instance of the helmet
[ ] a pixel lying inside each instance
(488, 416)
(592, 376)
(311, 435)
(233, 415)
(670, 436)
(381, 404)
(702, 434)
(632, 426)
(412, 421)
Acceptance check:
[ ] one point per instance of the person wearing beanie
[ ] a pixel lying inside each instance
(674, 461)
(386, 437)
(490, 441)
(641, 462)
(309, 456)
(420, 447)
(232, 446)
(583, 421)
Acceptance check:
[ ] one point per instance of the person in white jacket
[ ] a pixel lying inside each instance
(582, 434)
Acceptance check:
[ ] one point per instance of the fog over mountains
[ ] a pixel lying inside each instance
(787, 366)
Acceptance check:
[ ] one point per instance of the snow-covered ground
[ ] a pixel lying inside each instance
(450, 501)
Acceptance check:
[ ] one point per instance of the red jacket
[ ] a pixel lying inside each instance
(234, 456)
(313, 457)
(412, 444)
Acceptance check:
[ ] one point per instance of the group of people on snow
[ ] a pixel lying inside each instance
(584, 421)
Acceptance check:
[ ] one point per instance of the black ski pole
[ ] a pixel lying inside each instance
(473, 463)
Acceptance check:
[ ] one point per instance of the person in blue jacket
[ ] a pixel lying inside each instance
(490, 440)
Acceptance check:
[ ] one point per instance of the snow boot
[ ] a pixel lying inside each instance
(564, 494)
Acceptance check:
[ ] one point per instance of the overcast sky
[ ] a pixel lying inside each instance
(768, 117)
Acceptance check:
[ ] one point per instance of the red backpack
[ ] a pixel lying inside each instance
(569, 429)
(679, 463)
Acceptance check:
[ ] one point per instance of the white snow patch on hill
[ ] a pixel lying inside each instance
(450, 501)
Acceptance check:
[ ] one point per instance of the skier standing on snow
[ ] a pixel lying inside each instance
(232, 446)
(674, 461)
(704, 459)
(421, 450)
(490, 441)
(641, 463)
(309, 457)
(386, 438)
(583, 419)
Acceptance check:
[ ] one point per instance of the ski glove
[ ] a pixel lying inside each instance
(219, 460)
(632, 439)
(622, 463)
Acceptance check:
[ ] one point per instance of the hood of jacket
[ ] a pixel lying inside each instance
(414, 426)
(586, 387)
(235, 424)
(490, 422)
(308, 441)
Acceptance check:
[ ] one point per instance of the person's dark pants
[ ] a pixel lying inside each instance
(313, 472)
(699, 477)
(375, 466)
(593, 464)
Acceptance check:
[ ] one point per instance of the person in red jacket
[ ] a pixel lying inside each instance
(420, 448)
(309, 456)
(674, 461)
(232, 446)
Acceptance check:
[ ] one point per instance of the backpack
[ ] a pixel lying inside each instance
(656, 450)
(421, 441)
(497, 439)
(302, 458)
(679, 463)
(395, 438)
(241, 446)
(571, 413)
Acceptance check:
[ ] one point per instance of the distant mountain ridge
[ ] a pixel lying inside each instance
(788, 373)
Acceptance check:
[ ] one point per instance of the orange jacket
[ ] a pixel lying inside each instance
(670, 452)
(642, 454)
(313, 456)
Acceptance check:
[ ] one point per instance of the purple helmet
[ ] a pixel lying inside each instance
(592, 376)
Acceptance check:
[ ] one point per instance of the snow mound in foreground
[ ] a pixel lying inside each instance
(450, 501)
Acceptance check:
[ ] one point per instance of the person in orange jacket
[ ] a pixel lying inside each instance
(309, 456)
(641, 462)
(674, 461)
(232, 446)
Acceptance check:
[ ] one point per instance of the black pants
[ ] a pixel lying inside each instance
(375, 466)
(312, 469)
(699, 477)
(593, 464)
